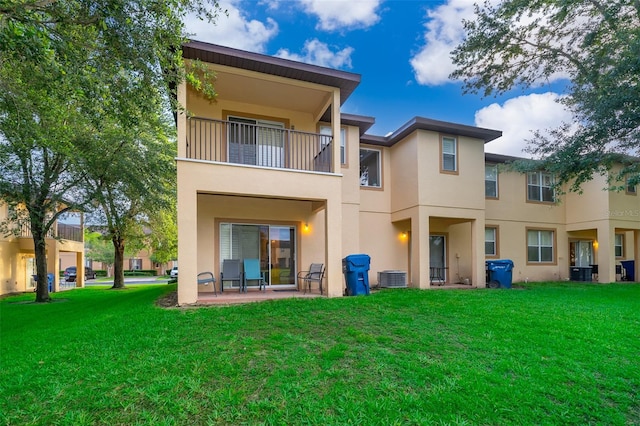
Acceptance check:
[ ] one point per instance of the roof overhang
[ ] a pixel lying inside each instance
(421, 123)
(270, 65)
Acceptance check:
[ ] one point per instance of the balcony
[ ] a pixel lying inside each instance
(63, 231)
(265, 145)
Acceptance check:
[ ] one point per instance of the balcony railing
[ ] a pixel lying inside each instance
(259, 145)
(63, 231)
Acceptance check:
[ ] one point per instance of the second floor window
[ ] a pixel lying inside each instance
(370, 174)
(540, 187)
(449, 148)
(631, 189)
(326, 130)
(491, 181)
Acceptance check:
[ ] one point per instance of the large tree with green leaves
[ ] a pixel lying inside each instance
(139, 182)
(71, 70)
(595, 45)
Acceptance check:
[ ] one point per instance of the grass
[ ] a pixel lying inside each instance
(548, 354)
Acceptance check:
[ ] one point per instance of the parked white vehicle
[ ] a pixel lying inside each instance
(174, 272)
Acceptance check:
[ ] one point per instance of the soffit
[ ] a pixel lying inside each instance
(250, 88)
(346, 82)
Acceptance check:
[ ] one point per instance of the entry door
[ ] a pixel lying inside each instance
(282, 254)
(30, 272)
(583, 253)
(437, 257)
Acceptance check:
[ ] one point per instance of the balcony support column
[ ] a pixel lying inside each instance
(335, 126)
(187, 240)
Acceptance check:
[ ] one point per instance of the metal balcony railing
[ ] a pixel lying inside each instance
(240, 142)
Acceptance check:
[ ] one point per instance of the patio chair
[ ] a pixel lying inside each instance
(252, 273)
(314, 274)
(231, 272)
(205, 278)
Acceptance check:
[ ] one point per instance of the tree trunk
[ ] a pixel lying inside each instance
(40, 247)
(118, 265)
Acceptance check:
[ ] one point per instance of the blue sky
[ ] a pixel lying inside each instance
(401, 50)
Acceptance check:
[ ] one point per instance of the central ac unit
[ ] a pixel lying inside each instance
(392, 279)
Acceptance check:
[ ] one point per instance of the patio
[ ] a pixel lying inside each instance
(232, 296)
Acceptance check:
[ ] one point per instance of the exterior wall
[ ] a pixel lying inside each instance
(514, 215)
(335, 216)
(429, 201)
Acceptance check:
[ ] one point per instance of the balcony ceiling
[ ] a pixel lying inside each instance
(273, 94)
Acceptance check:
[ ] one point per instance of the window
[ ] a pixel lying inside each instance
(540, 246)
(540, 187)
(619, 245)
(491, 181)
(449, 147)
(631, 189)
(370, 174)
(490, 241)
(326, 130)
(135, 264)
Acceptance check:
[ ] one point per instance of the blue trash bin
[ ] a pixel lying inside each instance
(356, 273)
(499, 273)
(50, 278)
(630, 269)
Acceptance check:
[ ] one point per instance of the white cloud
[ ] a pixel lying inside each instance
(318, 53)
(443, 32)
(518, 118)
(336, 14)
(235, 30)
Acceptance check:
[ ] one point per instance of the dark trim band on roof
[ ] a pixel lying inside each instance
(250, 61)
(421, 123)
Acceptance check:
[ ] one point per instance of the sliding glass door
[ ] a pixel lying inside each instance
(273, 245)
(256, 142)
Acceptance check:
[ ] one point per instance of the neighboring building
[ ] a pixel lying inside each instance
(273, 170)
(139, 261)
(17, 256)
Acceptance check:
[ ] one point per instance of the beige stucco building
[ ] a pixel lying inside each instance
(17, 256)
(273, 170)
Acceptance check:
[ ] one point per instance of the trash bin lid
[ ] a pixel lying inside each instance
(358, 259)
(506, 264)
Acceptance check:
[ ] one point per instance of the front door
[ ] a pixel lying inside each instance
(437, 258)
(581, 253)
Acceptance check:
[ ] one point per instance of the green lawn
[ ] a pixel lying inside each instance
(548, 354)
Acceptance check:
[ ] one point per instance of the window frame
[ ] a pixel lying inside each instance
(630, 189)
(495, 167)
(343, 140)
(540, 175)
(455, 154)
(379, 155)
(554, 245)
(496, 247)
(616, 245)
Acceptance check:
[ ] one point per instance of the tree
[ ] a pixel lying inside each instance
(98, 247)
(67, 67)
(595, 45)
(163, 236)
(139, 182)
